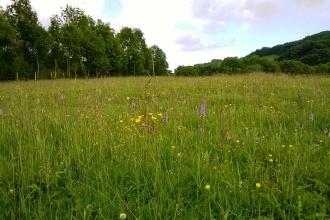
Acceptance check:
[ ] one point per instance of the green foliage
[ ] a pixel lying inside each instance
(95, 148)
(137, 56)
(234, 65)
(159, 59)
(312, 50)
(7, 47)
(74, 45)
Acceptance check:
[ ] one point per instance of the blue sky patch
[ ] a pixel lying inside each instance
(112, 8)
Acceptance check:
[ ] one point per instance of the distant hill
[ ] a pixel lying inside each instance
(311, 50)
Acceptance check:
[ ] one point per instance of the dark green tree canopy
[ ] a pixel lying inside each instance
(311, 50)
(73, 45)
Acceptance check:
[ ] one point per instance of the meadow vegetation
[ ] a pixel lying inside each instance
(253, 146)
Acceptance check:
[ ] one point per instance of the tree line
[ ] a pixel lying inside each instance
(254, 63)
(74, 45)
(311, 50)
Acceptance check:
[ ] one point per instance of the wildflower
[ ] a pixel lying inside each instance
(202, 128)
(240, 184)
(196, 111)
(203, 110)
(1, 112)
(237, 141)
(207, 187)
(165, 117)
(173, 147)
(185, 101)
(128, 98)
(270, 155)
(258, 185)
(11, 191)
(121, 121)
(160, 114)
(311, 117)
(271, 160)
(291, 146)
(122, 216)
(283, 145)
(325, 129)
(153, 118)
(179, 154)
(62, 97)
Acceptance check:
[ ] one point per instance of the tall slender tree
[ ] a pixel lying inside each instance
(159, 58)
(31, 37)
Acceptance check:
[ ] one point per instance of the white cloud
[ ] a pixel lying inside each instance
(310, 4)
(47, 8)
(188, 42)
(159, 21)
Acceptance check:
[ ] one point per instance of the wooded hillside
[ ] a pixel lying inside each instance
(310, 55)
(311, 50)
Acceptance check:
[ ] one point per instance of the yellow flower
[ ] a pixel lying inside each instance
(128, 98)
(179, 154)
(153, 118)
(258, 185)
(121, 121)
(270, 155)
(271, 160)
(237, 141)
(173, 147)
(11, 191)
(291, 146)
(207, 187)
(138, 120)
(160, 114)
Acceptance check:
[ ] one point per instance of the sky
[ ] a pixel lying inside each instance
(197, 31)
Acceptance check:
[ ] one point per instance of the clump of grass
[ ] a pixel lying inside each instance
(222, 147)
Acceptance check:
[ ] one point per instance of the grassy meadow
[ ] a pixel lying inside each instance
(95, 148)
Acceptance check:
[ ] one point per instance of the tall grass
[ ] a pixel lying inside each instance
(92, 149)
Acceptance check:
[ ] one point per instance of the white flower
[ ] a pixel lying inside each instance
(122, 216)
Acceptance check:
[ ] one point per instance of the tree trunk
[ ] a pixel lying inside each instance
(37, 67)
(80, 66)
(69, 74)
(54, 68)
(67, 65)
